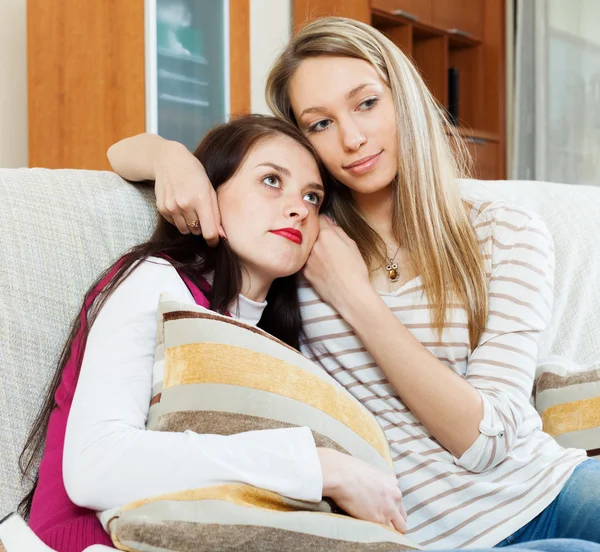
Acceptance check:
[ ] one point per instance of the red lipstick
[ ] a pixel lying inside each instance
(290, 233)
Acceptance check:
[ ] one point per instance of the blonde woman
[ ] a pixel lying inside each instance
(425, 306)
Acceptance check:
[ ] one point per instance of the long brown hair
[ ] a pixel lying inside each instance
(222, 153)
(430, 219)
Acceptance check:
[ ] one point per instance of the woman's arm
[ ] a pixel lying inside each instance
(135, 158)
(477, 417)
(184, 193)
(110, 458)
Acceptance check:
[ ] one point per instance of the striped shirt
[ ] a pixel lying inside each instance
(513, 470)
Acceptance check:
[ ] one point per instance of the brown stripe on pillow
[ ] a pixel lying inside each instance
(212, 364)
(548, 380)
(594, 453)
(227, 423)
(209, 398)
(193, 537)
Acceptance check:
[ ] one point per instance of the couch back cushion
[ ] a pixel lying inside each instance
(59, 230)
(572, 214)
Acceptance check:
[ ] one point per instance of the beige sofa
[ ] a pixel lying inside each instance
(60, 229)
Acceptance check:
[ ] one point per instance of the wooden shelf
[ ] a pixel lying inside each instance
(416, 11)
(384, 21)
(460, 17)
(460, 41)
(381, 19)
(478, 134)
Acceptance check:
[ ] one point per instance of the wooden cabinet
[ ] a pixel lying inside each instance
(354, 9)
(456, 45)
(467, 61)
(460, 17)
(88, 73)
(416, 10)
(430, 54)
(484, 156)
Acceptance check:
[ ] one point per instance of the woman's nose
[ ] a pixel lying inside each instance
(351, 135)
(296, 208)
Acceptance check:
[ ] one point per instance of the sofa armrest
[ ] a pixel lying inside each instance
(16, 536)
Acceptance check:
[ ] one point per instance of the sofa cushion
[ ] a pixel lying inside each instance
(219, 376)
(568, 400)
(59, 230)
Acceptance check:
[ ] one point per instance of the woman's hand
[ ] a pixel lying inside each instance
(335, 267)
(184, 194)
(361, 490)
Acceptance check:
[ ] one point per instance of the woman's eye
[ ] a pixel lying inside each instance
(314, 198)
(368, 104)
(319, 127)
(271, 180)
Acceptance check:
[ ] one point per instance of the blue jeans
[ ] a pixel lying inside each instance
(573, 514)
(550, 545)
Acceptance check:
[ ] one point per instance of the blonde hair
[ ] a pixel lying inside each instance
(430, 219)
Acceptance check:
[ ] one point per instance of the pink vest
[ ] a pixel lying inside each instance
(54, 518)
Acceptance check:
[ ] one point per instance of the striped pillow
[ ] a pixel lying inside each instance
(215, 375)
(569, 403)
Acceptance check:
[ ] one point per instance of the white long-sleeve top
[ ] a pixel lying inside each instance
(110, 458)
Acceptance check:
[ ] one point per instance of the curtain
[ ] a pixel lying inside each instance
(557, 91)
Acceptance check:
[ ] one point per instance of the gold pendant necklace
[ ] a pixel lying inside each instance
(392, 268)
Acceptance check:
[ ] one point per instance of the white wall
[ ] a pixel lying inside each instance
(270, 30)
(13, 84)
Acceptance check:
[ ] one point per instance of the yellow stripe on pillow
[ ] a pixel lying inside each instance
(212, 363)
(572, 416)
(237, 493)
